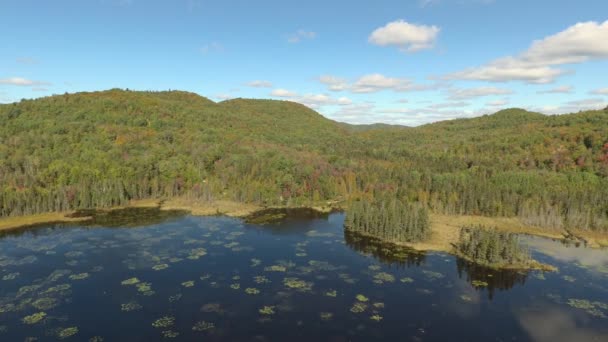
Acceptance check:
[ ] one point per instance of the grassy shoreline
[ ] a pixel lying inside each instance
(444, 228)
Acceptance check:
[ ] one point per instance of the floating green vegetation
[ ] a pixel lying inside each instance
(569, 278)
(479, 283)
(347, 278)
(235, 286)
(9, 307)
(267, 310)
(466, 298)
(45, 303)
(197, 253)
(374, 267)
(130, 306)
(160, 267)
(175, 260)
(61, 288)
(96, 339)
(406, 280)
(261, 280)
(130, 281)
(376, 318)
(255, 262)
(169, 334)
(145, 289)
(301, 255)
(205, 276)
(314, 233)
(79, 276)
(231, 244)
(73, 254)
(539, 275)
(358, 307)
(67, 332)
(175, 298)
(588, 306)
(275, 268)
(236, 277)
(188, 283)
(378, 305)
(164, 322)
(11, 276)
(361, 298)
(252, 291)
(326, 316)
(383, 277)
(34, 318)
(212, 307)
(203, 326)
(298, 284)
(432, 275)
(331, 293)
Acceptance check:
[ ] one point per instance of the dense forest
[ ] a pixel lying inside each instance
(486, 246)
(102, 149)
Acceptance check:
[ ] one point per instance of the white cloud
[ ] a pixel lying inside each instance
(260, 84)
(223, 97)
(372, 83)
(498, 103)
(283, 93)
(573, 106)
(557, 90)
(212, 47)
(449, 105)
(18, 81)
(408, 37)
(469, 93)
(333, 83)
(601, 91)
(301, 35)
(578, 43)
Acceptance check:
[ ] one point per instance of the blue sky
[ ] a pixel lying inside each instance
(402, 62)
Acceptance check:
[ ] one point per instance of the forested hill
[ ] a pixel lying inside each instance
(105, 148)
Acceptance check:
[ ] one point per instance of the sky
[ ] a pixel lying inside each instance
(392, 61)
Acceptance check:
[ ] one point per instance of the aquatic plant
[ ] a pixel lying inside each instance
(188, 283)
(378, 305)
(466, 298)
(164, 322)
(175, 298)
(79, 276)
(255, 262)
(361, 298)
(326, 316)
(235, 286)
(130, 281)
(301, 255)
(169, 334)
(205, 276)
(432, 275)
(383, 277)
(11, 276)
(275, 268)
(96, 339)
(160, 267)
(298, 284)
(569, 278)
(252, 291)
(267, 310)
(130, 306)
(67, 332)
(590, 307)
(331, 293)
(197, 253)
(358, 307)
(374, 267)
(479, 283)
(376, 318)
(406, 280)
(203, 326)
(8, 307)
(34, 318)
(45, 303)
(261, 280)
(145, 288)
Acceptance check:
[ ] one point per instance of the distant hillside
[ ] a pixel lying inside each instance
(104, 148)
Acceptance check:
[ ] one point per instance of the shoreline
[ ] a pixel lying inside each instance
(444, 228)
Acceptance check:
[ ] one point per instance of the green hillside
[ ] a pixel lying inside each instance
(105, 148)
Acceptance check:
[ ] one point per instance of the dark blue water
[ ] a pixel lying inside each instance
(190, 278)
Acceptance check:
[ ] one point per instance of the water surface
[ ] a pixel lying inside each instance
(148, 276)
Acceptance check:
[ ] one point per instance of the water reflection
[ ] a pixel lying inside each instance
(488, 278)
(384, 252)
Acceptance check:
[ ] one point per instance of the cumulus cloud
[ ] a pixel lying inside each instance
(408, 37)
(557, 90)
(601, 91)
(23, 82)
(573, 106)
(372, 83)
(469, 93)
(260, 84)
(301, 35)
(538, 64)
(312, 100)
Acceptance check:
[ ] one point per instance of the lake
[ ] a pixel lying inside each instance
(146, 275)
